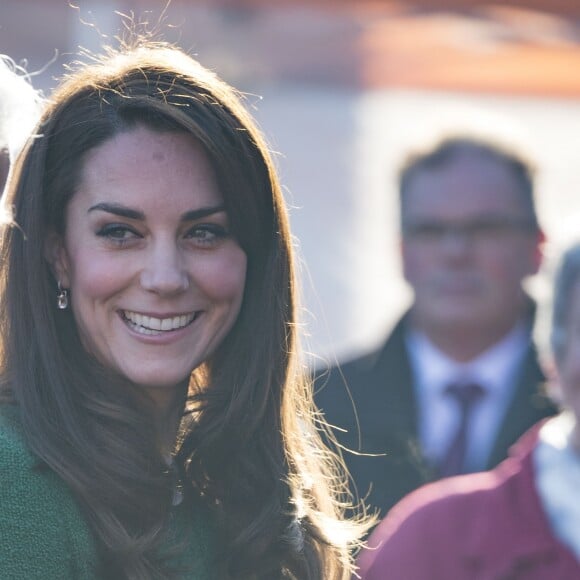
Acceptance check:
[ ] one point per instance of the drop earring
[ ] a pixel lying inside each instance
(62, 297)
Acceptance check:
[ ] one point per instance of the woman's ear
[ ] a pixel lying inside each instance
(57, 257)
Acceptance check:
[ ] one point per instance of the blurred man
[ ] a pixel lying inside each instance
(457, 381)
(19, 111)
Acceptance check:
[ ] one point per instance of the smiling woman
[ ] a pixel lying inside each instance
(153, 419)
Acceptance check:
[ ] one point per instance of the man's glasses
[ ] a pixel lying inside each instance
(480, 230)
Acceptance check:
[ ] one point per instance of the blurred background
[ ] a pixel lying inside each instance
(342, 89)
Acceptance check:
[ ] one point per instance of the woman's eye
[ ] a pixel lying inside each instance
(206, 234)
(117, 232)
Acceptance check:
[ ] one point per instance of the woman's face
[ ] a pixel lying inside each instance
(156, 279)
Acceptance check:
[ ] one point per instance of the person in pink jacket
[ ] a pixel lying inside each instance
(519, 521)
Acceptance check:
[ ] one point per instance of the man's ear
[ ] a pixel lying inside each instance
(57, 257)
(553, 383)
(538, 256)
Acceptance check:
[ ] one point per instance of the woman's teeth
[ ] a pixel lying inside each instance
(151, 325)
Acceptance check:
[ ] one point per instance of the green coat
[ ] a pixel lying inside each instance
(43, 534)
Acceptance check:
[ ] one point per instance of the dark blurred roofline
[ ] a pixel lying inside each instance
(561, 7)
(520, 47)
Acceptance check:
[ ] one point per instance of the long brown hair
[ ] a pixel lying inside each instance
(248, 445)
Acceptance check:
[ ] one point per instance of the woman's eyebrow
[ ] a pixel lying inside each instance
(118, 209)
(127, 212)
(196, 214)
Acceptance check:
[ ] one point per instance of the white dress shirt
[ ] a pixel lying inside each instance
(496, 370)
(557, 479)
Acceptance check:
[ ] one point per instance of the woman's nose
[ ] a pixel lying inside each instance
(164, 271)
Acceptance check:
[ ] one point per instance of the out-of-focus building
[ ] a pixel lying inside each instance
(341, 88)
(489, 46)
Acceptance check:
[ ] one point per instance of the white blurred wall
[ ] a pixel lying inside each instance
(339, 156)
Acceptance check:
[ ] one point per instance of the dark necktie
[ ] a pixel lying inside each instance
(466, 396)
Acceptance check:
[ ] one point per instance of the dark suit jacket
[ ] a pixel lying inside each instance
(371, 403)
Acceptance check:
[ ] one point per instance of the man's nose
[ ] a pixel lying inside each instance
(457, 239)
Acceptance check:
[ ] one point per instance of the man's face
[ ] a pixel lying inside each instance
(467, 245)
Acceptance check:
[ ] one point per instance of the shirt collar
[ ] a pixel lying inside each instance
(435, 370)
